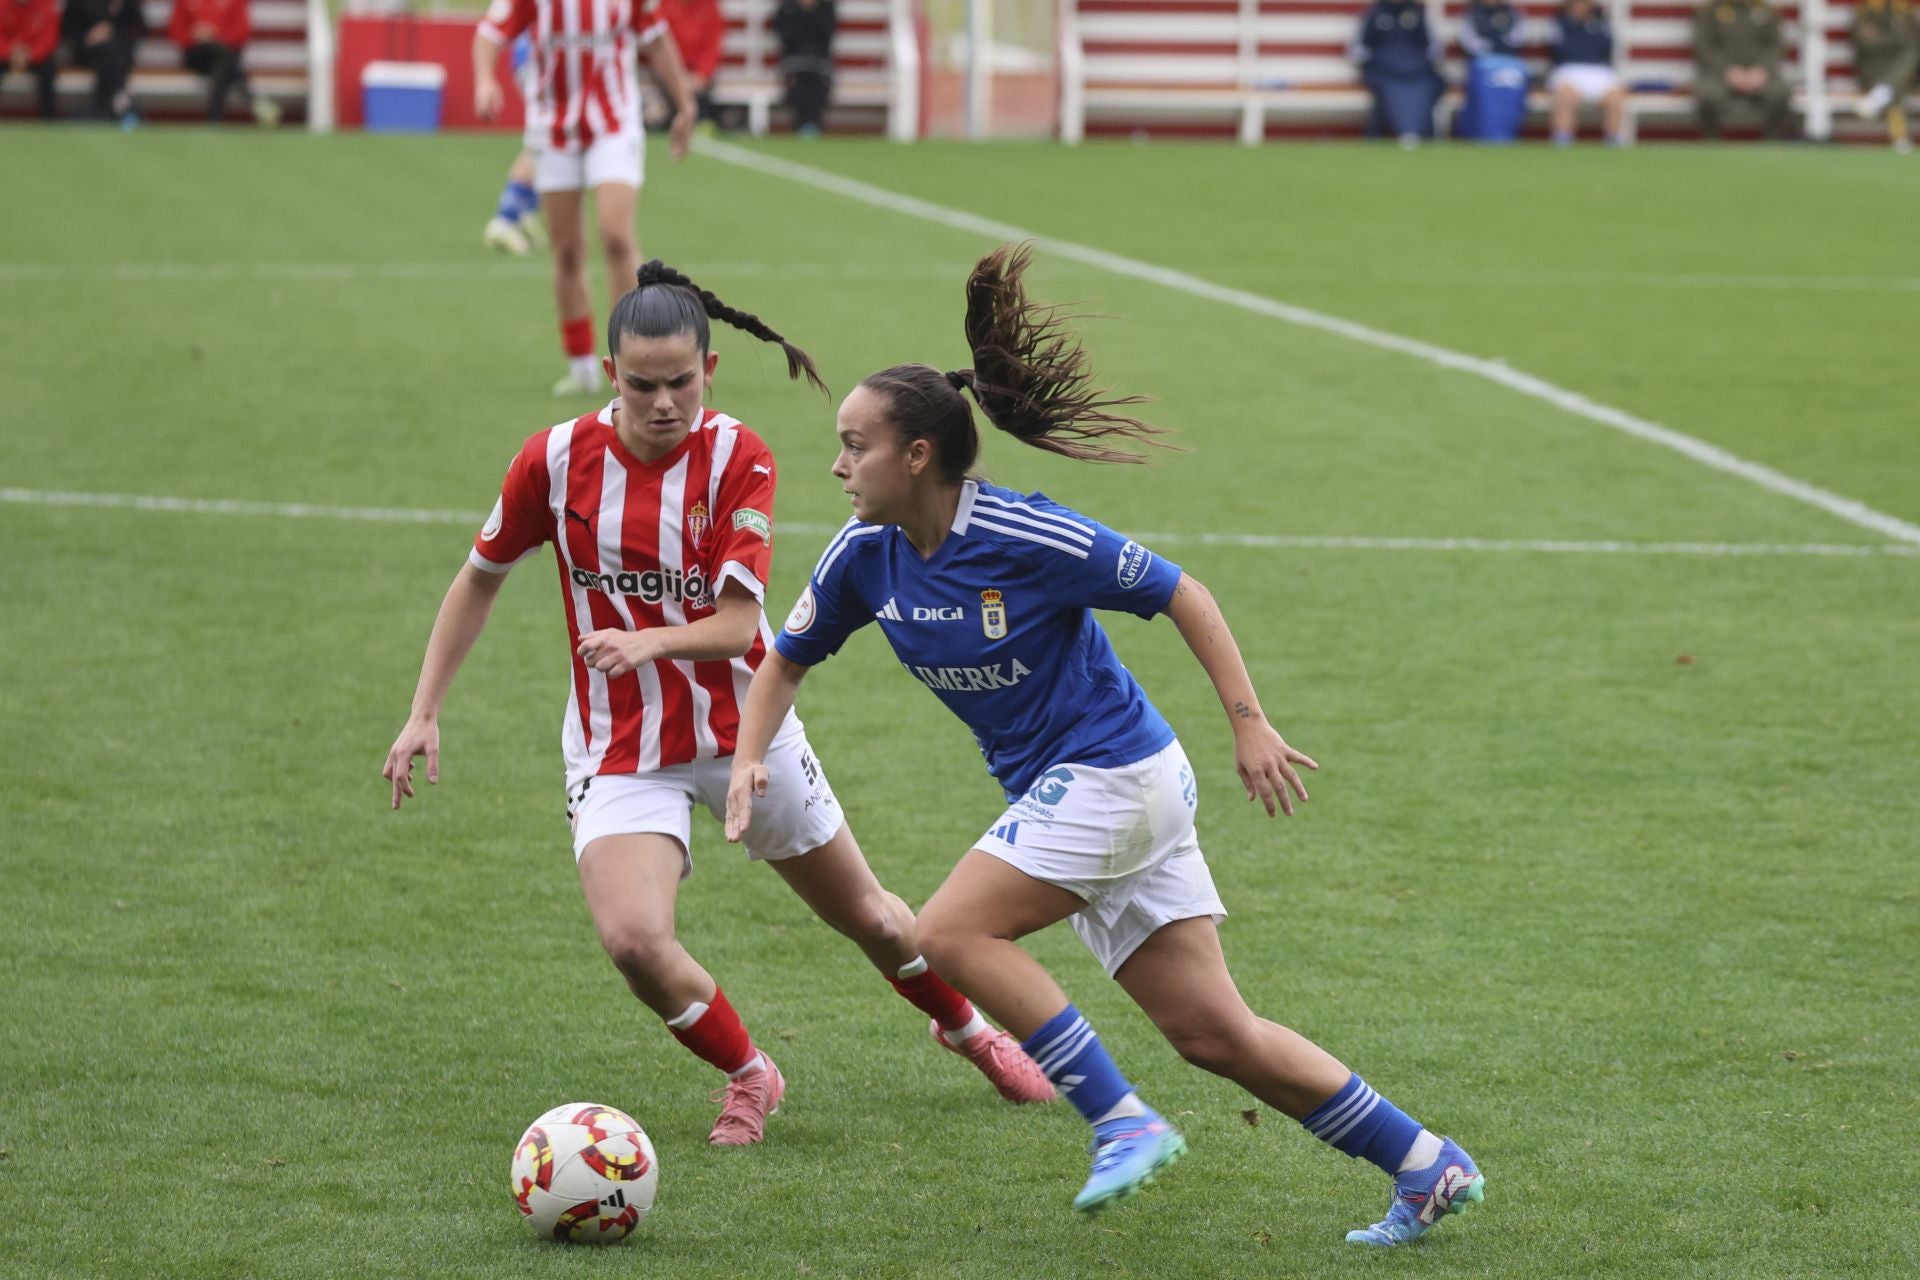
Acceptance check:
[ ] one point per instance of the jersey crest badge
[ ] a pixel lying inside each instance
(993, 614)
(697, 523)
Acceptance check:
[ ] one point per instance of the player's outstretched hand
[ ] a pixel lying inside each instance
(1266, 765)
(419, 738)
(615, 651)
(748, 783)
(680, 134)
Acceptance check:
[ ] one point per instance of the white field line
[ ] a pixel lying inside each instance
(362, 272)
(416, 272)
(1495, 371)
(1259, 541)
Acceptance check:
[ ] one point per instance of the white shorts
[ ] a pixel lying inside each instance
(1120, 839)
(797, 815)
(1589, 79)
(616, 158)
(533, 134)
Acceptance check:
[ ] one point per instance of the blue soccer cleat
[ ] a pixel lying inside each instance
(1127, 1155)
(1421, 1197)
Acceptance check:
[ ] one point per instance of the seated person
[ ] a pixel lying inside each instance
(1736, 53)
(1491, 27)
(1581, 44)
(104, 35)
(212, 35)
(806, 28)
(1886, 50)
(1397, 58)
(29, 39)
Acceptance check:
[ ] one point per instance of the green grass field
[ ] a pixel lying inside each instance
(1609, 870)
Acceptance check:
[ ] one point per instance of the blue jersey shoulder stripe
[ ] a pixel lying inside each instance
(980, 521)
(1056, 528)
(841, 543)
(1025, 513)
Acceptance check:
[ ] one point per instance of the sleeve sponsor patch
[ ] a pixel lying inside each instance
(1134, 560)
(491, 529)
(802, 616)
(748, 518)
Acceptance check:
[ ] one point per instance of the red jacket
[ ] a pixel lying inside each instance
(228, 18)
(700, 31)
(33, 23)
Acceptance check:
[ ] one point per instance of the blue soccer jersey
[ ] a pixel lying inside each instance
(998, 624)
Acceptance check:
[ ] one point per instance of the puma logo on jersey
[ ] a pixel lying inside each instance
(575, 515)
(765, 471)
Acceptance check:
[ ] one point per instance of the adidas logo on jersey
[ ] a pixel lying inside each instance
(650, 585)
(890, 612)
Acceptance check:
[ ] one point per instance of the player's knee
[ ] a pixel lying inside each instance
(636, 952)
(567, 257)
(617, 245)
(1219, 1044)
(942, 943)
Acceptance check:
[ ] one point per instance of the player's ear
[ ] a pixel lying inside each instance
(919, 455)
(713, 362)
(606, 364)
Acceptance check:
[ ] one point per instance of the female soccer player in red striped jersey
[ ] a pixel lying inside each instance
(587, 97)
(660, 514)
(986, 596)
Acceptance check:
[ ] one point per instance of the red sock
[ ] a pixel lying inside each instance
(576, 336)
(718, 1036)
(929, 993)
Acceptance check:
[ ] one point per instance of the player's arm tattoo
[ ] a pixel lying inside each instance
(1241, 709)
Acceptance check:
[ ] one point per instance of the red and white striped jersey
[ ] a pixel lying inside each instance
(642, 544)
(582, 62)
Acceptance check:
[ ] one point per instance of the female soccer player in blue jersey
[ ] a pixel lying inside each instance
(986, 596)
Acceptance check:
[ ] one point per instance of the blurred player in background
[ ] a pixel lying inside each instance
(986, 596)
(515, 225)
(660, 515)
(587, 97)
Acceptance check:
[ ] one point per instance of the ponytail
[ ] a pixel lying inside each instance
(665, 302)
(1030, 376)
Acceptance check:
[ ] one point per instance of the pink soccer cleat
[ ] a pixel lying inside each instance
(1002, 1061)
(747, 1102)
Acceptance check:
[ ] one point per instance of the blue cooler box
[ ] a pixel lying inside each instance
(402, 97)
(1496, 104)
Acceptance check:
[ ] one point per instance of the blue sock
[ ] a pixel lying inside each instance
(1069, 1051)
(516, 201)
(1361, 1123)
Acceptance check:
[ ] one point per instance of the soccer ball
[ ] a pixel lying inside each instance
(584, 1172)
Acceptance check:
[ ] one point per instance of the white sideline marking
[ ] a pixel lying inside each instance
(360, 272)
(473, 519)
(1495, 371)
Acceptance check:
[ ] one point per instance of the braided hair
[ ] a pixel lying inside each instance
(1030, 376)
(665, 302)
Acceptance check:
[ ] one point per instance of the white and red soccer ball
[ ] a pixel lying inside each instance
(584, 1173)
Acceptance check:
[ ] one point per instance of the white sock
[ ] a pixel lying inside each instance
(756, 1062)
(688, 1016)
(585, 369)
(975, 1025)
(1425, 1150)
(911, 969)
(1127, 1106)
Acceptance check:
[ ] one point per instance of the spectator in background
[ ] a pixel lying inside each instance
(213, 35)
(806, 28)
(1736, 52)
(29, 39)
(104, 35)
(1581, 45)
(1490, 28)
(701, 32)
(1397, 57)
(1886, 51)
